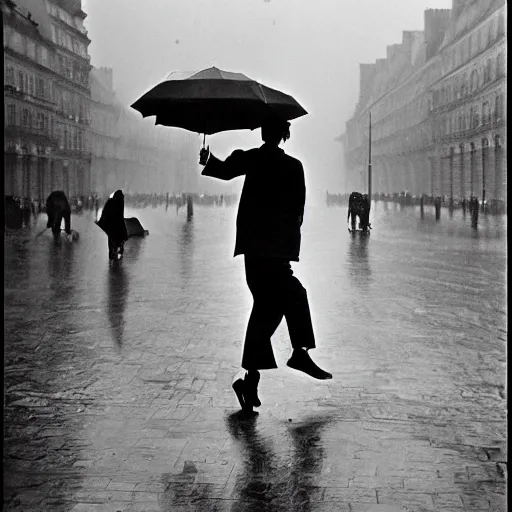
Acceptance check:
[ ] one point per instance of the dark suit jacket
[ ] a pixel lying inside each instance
(272, 201)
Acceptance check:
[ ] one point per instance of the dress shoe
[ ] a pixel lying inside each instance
(301, 360)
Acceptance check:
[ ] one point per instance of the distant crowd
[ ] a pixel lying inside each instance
(404, 198)
(19, 210)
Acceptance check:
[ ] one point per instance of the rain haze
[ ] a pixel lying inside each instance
(186, 330)
(310, 50)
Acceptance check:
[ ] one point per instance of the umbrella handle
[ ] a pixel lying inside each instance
(204, 139)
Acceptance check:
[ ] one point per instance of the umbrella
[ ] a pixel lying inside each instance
(213, 100)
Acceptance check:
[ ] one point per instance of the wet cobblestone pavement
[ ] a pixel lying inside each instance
(117, 378)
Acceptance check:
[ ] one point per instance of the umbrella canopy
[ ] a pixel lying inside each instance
(213, 100)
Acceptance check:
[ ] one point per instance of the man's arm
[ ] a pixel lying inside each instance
(298, 194)
(234, 165)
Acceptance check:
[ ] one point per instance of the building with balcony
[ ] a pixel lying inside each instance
(46, 98)
(437, 104)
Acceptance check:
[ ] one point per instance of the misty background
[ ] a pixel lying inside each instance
(310, 50)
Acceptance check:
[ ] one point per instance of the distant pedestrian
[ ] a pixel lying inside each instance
(112, 222)
(58, 208)
(269, 238)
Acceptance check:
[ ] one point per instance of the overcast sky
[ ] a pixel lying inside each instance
(308, 49)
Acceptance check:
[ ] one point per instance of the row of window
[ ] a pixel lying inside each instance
(31, 119)
(28, 118)
(26, 46)
(73, 69)
(62, 64)
(59, 12)
(475, 117)
(65, 39)
(29, 82)
(70, 103)
(474, 43)
(462, 86)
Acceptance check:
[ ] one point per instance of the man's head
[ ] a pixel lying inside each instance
(274, 130)
(118, 194)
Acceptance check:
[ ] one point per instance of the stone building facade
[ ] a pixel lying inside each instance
(421, 102)
(131, 153)
(468, 114)
(46, 98)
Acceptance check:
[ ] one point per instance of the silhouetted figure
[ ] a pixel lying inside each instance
(112, 222)
(13, 216)
(437, 206)
(58, 208)
(190, 207)
(474, 208)
(269, 238)
(359, 206)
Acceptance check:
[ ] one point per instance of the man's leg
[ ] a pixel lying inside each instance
(57, 223)
(353, 220)
(111, 249)
(67, 222)
(300, 327)
(266, 315)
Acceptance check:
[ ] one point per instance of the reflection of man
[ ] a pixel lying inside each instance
(57, 208)
(269, 238)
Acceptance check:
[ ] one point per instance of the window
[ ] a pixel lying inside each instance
(44, 56)
(11, 114)
(501, 25)
(486, 111)
(9, 76)
(76, 71)
(7, 35)
(25, 118)
(16, 42)
(498, 107)
(40, 122)
(31, 84)
(474, 80)
(54, 34)
(31, 49)
(488, 71)
(22, 81)
(40, 87)
(500, 64)
(67, 142)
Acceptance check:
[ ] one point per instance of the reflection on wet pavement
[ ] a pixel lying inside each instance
(118, 377)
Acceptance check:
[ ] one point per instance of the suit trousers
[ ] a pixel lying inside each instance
(277, 293)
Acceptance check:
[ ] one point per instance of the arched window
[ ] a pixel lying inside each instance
(474, 80)
(487, 73)
(498, 107)
(500, 64)
(486, 112)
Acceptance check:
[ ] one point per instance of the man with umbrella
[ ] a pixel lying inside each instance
(269, 238)
(212, 101)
